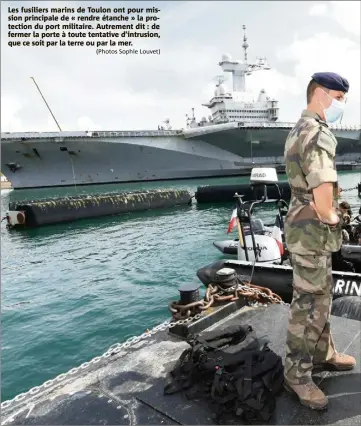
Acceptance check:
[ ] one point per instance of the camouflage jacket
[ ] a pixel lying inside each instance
(310, 161)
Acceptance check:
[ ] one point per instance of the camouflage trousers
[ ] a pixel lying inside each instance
(309, 338)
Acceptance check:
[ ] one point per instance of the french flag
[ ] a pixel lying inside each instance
(277, 235)
(233, 221)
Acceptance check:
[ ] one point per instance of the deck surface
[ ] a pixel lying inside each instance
(128, 388)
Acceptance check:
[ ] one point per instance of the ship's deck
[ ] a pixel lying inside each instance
(128, 388)
(60, 136)
(187, 133)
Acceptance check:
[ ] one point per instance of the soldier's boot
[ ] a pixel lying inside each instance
(309, 395)
(339, 362)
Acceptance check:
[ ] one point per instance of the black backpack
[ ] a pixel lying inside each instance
(232, 371)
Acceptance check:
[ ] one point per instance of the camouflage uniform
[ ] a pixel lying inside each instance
(309, 157)
(356, 234)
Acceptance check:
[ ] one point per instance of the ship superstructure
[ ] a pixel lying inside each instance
(242, 130)
(238, 105)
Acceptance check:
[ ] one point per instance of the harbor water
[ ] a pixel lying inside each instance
(70, 291)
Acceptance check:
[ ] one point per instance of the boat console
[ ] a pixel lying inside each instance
(254, 246)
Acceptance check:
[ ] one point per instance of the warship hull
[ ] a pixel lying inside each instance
(34, 160)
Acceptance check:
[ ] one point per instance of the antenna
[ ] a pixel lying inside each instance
(220, 79)
(46, 103)
(245, 44)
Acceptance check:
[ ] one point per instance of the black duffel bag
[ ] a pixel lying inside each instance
(233, 371)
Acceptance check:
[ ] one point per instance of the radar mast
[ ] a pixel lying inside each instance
(245, 44)
(239, 69)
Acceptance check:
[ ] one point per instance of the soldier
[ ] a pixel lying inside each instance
(358, 218)
(346, 216)
(356, 231)
(313, 233)
(345, 208)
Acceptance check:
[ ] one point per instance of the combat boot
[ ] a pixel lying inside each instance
(339, 362)
(309, 395)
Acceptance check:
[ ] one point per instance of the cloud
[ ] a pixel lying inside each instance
(317, 53)
(85, 123)
(182, 13)
(318, 9)
(347, 14)
(308, 56)
(137, 92)
(274, 82)
(10, 119)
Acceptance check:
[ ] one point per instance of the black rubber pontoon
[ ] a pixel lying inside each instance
(347, 307)
(127, 389)
(67, 209)
(227, 246)
(351, 252)
(278, 278)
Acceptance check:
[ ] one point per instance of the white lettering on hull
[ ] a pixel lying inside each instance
(347, 288)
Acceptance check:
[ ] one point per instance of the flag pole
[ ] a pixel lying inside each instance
(240, 232)
(51, 112)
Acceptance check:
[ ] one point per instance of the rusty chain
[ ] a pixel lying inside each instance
(215, 294)
(185, 311)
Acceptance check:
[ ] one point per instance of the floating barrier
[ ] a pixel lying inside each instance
(58, 210)
(225, 193)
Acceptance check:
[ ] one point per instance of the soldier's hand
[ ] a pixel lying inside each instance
(346, 219)
(332, 219)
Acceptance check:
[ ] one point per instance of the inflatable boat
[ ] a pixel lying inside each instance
(253, 231)
(264, 262)
(227, 246)
(278, 278)
(258, 228)
(349, 252)
(352, 253)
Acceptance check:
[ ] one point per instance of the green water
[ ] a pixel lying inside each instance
(70, 291)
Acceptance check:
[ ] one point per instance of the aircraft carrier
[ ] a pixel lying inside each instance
(241, 131)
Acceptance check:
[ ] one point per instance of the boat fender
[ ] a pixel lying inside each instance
(232, 370)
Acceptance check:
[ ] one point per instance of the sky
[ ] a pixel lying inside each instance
(115, 92)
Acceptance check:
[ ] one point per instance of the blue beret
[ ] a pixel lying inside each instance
(331, 81)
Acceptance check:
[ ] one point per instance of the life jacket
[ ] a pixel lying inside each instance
(232, 370)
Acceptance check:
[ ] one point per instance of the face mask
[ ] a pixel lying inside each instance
(334, 111)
